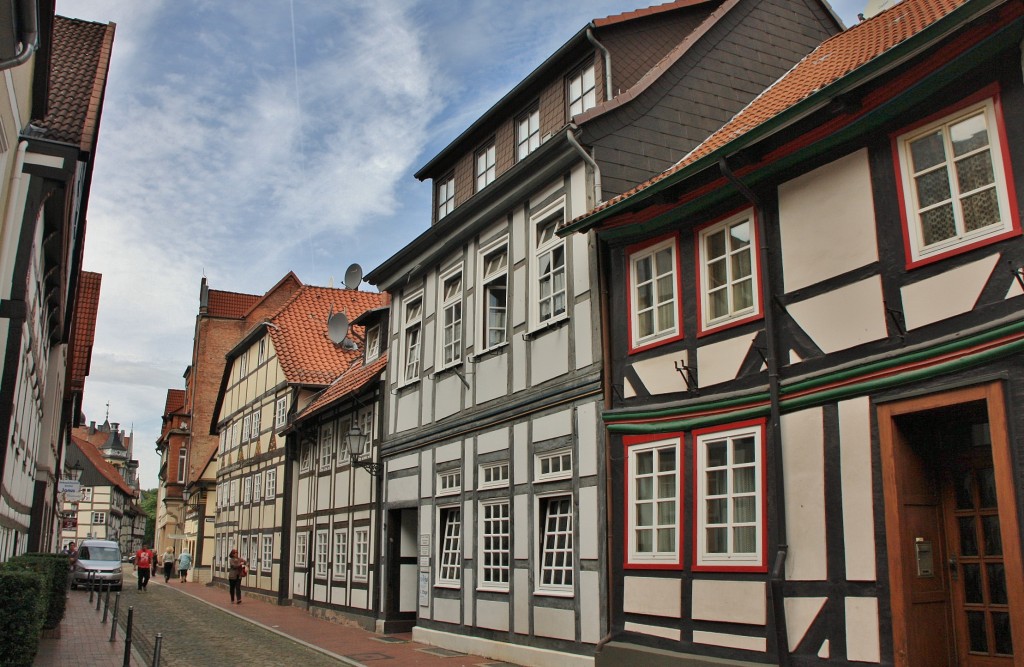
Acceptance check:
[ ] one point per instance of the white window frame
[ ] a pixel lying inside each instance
(581, 90)
(306, 457)
(556, 464)
(451, 288)
(548, 284)
(99, 518)
(321, 553)
(301, 549)
(493, 475)
(486, 168)
(257, 491)
(243, 549)
(734, 315)
(648, 484)
(182, 462)
(493, 278)
(234, 491)
(730, 559)
(236, 434)
(271, 482)
(326, 442)
(267, 552)
(361, 554)
(662, 332)
(549, 568)
(281, 412)
(449, 546)
(412, 338)
(445, 196)
(918, 251)
(254, 430)
(261, 354)
(449, 482)
(372, 342)
(243, 364)
(495, 544)
(344, 427)
(247, 490)
(340, 552)
(246, 421)
(528, 132)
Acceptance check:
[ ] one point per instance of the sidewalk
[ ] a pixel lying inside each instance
(83, 640)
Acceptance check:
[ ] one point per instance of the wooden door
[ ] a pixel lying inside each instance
(952, 532)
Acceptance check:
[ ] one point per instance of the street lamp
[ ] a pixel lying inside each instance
(75, 471)
(357, 442)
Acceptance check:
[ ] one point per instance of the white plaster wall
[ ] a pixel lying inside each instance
(552, 425)
(858, 505)
(587, 424)
(407, 411)
(557, 623)
(804, 464)
(427, 474)
(730, 641)
(521, 603)
(591, 605)
(584, 331)
(447, 611)
(729, 601)
(800, 613)
(492, 614)
(827, 221)
(520, 453)
(653, 630)
(659, 374)
(549, 356)
(517, 306)
(652, 596)
(845, 317)
(862, 642)
(403, 462)
(579, 246)
(449, 452)
(520, 527)
(492, 441)
(468, 589)
(952, 292)
(590, 520)
(449, 394)
(490, 378)
(359, 598)
(719, 361)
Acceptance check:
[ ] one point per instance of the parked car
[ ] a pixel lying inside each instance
(98, 561)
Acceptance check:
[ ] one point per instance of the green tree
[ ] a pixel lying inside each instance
(148, 503)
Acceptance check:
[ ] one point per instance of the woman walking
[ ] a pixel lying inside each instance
(236, 566)
(184, 563)
(168, 560)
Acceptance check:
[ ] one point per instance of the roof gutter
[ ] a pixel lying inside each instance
(883, 64)
(25, 23)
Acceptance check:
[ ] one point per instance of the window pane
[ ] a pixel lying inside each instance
(743, 509)
(645, 324)
(741, 265)
(743, 480)
(745, 540)
(643, 270)
(717, 274)
(666, 460)
(716, 454)
(644, 514)
(666, 288)
(975, 171)
(719, 304)
(981, 210)
(986, 488)
(717, 511)
(715, 244)
(743, 450)
(739, 236)
(742, 295)
(667, 486)
(645, 541)
(716, 482)
(972, 583)
(996, 583)
(937, 224)
(976, 631)
(968, 135)
(645, 463)
(663, 261)
(993, 536)
(968, 538)
(927, 151)
(666, 539)
(666, 513)
(932, 188)
(1001, 632)
(645, 489)
(717, 540)
(644, 296)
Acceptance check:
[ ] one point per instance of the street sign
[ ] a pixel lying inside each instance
(69, 486)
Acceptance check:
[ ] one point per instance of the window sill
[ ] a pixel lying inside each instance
(491, 589)
(451, 586)
(546, 326)
(542, 592)
(489, 352)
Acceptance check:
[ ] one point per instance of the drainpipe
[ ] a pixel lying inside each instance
(607, 63)
(570, 135)
(778, 574)
(25, 16)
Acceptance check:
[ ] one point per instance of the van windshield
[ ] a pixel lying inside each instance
(100, 553)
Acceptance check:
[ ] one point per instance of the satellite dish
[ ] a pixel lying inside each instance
(353, 276)
(337, 327)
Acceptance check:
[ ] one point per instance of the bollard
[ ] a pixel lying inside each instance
(128, 639)
(106, 606)
(156, 649)
(113, 625)
(99, 593)
(91, 582)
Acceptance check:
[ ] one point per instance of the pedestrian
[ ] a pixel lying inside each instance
(236, 566)
(144, 560)
(72, 551)
(168, 562)
(184, 563)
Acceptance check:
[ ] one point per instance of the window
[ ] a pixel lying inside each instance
(256, 419)
(527, 133)
(247, 490)
(246, 421)
(653, 296)
(549, 264)
(554, 465)
(494, 475)
(730, 497)
(653, 494)
(223, 441)
(271, 484)
(495, 306)
(261, 355)
(728, 272)
(267, 557)
(361, 557)
(307, 457)
(99, 517)
(236, 434)
(281, 412)
(412, 327)
(234, 492)
(485, 170)
(956, 190)
(257, 481)
(243, 550)
(243, 364)
(581, 90)
(340, 554)
(449, 482)
(321, 553)
(495, 543)
(182, 459)
(445, 196)
(326, 445)
(450, 562)
(372, 342)
(86, 494)
(556, 545)
(301, 550)
(451, 314)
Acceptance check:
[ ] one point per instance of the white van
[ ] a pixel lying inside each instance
(97, 561)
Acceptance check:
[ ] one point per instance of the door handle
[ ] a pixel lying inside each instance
(954, 571)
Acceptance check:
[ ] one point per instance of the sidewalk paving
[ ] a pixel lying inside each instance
(83, 640)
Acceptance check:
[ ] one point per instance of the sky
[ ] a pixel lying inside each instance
(243, 140)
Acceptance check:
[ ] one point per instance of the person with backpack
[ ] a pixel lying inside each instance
(144, 559)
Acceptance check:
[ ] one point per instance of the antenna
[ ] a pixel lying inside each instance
(337, 328)
(353, 276)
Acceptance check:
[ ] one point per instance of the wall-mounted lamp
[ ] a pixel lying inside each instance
(357, 442)
(75, 471)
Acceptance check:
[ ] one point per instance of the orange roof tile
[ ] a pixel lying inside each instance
(305, 352)
(350, 381)
(86, 309)
(835, 58)
(230, 304)
(104, 467)
(175, 401)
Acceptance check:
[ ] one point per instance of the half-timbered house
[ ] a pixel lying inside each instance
(814, 340)
(493, 444)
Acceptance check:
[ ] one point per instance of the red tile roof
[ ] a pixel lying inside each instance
(350, 381)
(175, 401)
(306, 354)
(649, 11)
(86, 309)
(230, 304)
(78, 75)
(104, 467)
(837, 57)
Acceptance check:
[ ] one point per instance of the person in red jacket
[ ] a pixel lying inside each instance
(144, 561)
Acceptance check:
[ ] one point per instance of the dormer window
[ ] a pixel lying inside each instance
(446, 196)
(581, 90)
(527, 133)
(261, 356)
(372, 342)
(485, 168)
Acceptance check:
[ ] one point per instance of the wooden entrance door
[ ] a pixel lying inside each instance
(957, 590)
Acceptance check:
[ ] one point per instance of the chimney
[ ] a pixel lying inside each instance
(92, 427)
